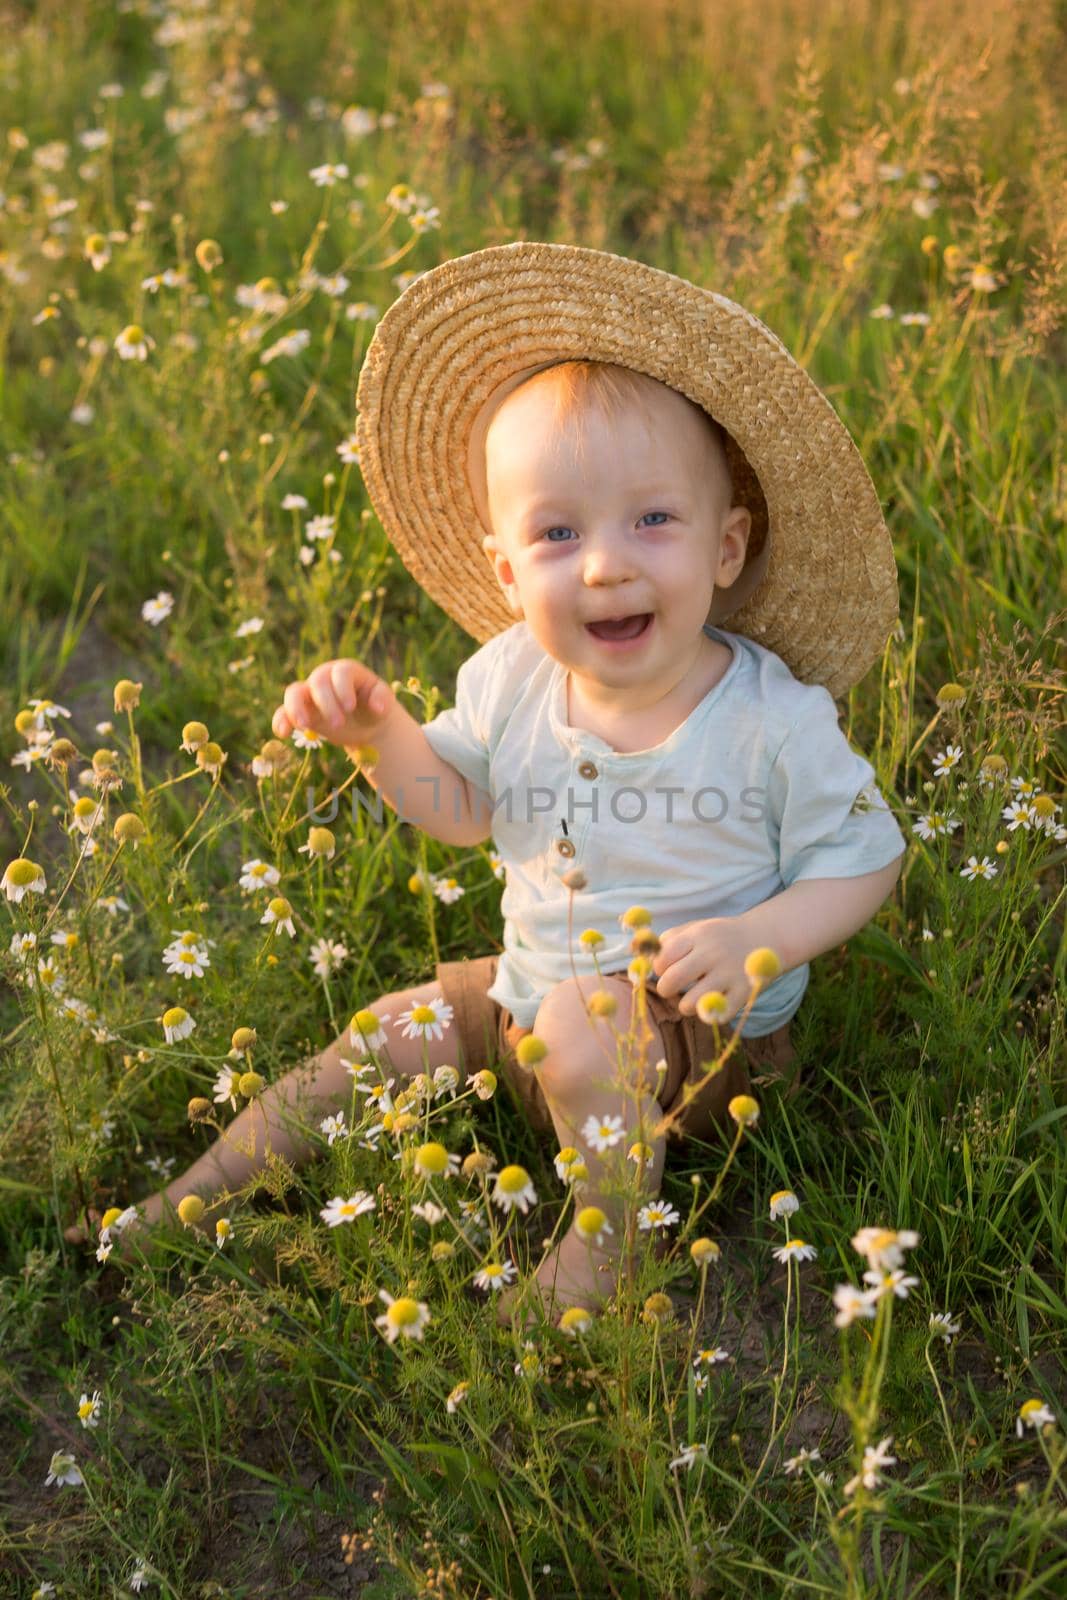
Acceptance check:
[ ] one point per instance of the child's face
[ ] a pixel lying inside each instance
(641, 526)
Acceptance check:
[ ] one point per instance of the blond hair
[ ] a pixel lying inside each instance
(579, 384)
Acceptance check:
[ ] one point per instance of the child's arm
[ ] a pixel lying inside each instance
(423, 788)
(815, 914)
(350, 705)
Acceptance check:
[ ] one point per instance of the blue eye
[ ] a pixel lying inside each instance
(556, 530)
(664, 514)
(559, 528)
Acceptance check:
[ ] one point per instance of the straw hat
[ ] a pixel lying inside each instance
(819, 586)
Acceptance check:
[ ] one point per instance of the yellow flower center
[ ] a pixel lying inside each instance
(423, 1014)
(134, 334)
(431, 1158)
(403, 1312)
(22, 873)
(174, 1017)
(513, 1179)
(575, 1318)
(590, 1220)
(280, 908)
(85, 1409)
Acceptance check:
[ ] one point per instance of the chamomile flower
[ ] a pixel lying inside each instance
(294, 502)
(307, 739)
(934, 823)
(514, 1187)
(377, 1094)
(710, 1357)
(601, 1133)
(978, 869)
(945, 760)
(402, 1319)
(942, 1325)
(427, 1020)
(279, 916)
(448, 890)
(367, 1030)
(158, 609)
(1033, 1414)
(139, 1576)
(495, 1274)
(133, 344)
(177, 1024)
(89, 1410)
(795, 1250)
(340, 1210)
(852, 1303)
(445, 1082)
(187, 961)
(884, 1247)
(326, 956)
(348, 449)
(566, 1160)
(592, 1225)
(329, 173)
(691, 1454)
(334, 1128)
(63, 1469)
(22, 877)
(483, 1083)
(803, 1455)
(257, 875)
(250, 625)
(575, 1320)
(874, 1458)
(784, 1203)
(895, 1283)
(457, 1396)
(428, 1211)
(320, 527)
(432, 1160)
(657, 1214)
(227, 1086)
(639, 1153)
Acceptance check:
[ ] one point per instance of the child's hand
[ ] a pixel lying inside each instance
(698, 956)
(343, 701)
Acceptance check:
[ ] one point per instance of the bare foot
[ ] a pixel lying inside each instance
(574, 1274)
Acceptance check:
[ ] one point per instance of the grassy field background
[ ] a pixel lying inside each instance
(886, 187)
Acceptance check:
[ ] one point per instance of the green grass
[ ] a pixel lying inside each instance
(255, 1427)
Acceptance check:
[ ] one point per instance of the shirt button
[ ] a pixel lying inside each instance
(565, 847)
(586, 769)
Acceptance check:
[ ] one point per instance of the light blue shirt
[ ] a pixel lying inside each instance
(757, 789)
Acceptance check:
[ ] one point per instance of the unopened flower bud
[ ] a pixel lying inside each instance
(129, 829)
(190, 1209)
(530, 1051)
(208, 254)
(763, 964)
(127, 694)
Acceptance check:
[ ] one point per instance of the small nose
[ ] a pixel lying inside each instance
(606, 561)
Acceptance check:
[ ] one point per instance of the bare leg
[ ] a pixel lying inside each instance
(577, 1079)
(305, 1094)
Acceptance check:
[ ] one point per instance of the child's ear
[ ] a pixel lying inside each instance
(502, 568)
(733, 543)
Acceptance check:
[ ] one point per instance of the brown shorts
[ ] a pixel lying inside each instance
(487, 1034)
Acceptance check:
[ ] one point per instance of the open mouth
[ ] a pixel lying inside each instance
(621, 627)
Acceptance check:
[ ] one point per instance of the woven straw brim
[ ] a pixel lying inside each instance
(827, 599)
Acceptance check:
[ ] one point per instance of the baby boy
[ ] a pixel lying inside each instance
(621, 750)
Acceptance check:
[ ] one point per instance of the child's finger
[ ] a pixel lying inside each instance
(324, 698)
(345, 681)
(298, 705)
(280, 724)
